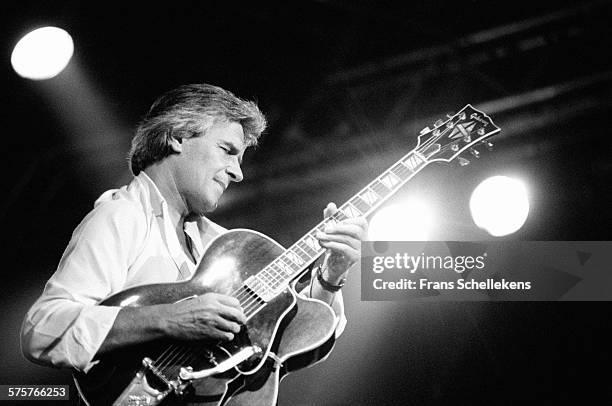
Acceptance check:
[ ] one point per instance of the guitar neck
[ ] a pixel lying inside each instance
(442, 143)
(275, 277)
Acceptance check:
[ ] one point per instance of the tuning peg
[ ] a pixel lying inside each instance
(488, 144)
(463, 161)
(454, 147)
(462, 115)
(467, 137)
(475, 152)
(481, 131)
(425, 130)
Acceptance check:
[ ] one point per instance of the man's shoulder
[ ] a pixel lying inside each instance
(116, 209)
(131, 199)
(119, 207)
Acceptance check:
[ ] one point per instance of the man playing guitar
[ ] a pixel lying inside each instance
(185, 153)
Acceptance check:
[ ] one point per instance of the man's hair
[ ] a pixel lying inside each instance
(188, 111)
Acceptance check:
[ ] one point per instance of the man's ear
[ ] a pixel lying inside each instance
(176, 144)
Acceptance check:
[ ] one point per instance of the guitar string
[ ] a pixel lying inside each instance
(176, 358)
(250, 305)
(169, 356)
(164, 355)
(183, 359)
(187, 359)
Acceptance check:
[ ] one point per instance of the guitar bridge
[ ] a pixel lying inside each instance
(147, 363)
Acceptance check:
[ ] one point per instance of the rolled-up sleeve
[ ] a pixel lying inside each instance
(66, 327)
(338, 306)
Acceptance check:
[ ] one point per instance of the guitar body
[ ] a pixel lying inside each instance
(291, 331)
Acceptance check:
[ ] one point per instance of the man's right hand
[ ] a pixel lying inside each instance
(209, 316)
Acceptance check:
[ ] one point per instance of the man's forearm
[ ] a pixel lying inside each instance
(209, 316)
(135, 325)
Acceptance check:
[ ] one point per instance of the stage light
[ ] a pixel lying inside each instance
(499, 205)
(42, 53)
(407, 221)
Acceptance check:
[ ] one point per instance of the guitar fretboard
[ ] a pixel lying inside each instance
(276, 276)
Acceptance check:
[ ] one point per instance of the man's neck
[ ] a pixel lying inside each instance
(177, 209)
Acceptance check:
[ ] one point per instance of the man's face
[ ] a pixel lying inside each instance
(207, 164)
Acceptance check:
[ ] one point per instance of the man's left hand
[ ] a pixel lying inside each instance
(343, 242)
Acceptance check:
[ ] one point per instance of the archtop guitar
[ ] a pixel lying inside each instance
(285, 331)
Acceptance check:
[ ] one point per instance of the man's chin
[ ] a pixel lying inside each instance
(206, 207)
(210, 207)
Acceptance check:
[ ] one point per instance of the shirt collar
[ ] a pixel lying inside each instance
(156, 199)
(201, 231)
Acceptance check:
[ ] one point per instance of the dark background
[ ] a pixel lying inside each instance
(346, 87)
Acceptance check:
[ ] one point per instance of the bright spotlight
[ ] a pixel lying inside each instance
(42, 53)
(408, 221)
(499, 205)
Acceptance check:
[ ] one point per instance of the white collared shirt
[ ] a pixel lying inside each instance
(127, 240)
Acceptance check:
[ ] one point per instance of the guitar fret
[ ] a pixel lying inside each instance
(310, 251)
(265, 278)
(380, 189)
(390, 180)
(350, 211)
(412, 162)
(267, 282)
(285, 265)
(312, 242)
(302, 252)
(370, 197)
(360, 204)
(321, 227)
(295, 258)
(276, 268)
(338, 216)
(261, 288)
(400, 170)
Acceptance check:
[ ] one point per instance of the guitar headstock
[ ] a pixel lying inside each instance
(458, 133)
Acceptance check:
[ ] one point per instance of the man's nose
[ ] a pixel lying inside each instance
(234, 171)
